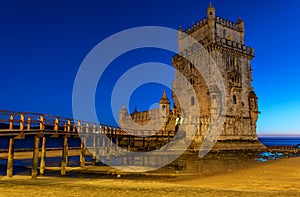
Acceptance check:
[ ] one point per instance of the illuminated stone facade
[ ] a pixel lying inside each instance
(224, 41)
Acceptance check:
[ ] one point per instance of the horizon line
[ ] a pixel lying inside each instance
(279, 135)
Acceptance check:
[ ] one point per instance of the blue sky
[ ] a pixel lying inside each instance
(44, 42)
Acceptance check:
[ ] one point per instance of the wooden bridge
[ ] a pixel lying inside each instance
(19, 125)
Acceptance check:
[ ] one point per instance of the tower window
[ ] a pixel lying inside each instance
(192, 67)
(234, 99)
(210, 13)
(192, 101)
(192, 81)
(163, 107)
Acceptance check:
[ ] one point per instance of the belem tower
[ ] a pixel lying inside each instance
(224, 42)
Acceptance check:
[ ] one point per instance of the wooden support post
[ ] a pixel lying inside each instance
(94, 152)
(64, 158)
(94, 143)
(110, 145)
(35, 161)
(43, 157)
(103, 144)
(128, 143)
(82, 152)
(10, 158)
(97, 149)
(110, 142)
(68, 135)
(133, 142)
(117, 141)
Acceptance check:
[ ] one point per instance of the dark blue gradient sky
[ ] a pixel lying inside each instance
(42, 44)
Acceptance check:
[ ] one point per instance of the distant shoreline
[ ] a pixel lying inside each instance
(280, 136)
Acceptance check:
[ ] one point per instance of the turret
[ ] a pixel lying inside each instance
(211, 12)
(211, 15)
(122, 116)
(241, 26)
(164, 104)
(253, 106)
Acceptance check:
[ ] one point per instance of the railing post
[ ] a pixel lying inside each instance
(42, 123)
(22, 126)
(94, 128)
(79, 127)
(11, 122)
(68, 125)
(22, 121)
(100, 129)
(56, 124)
(74, 127)
(87, 128)
(28, 123)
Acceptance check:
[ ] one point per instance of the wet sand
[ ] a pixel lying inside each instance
(274, 178)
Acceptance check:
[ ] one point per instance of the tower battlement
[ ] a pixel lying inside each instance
(222, 44)
(219, 20)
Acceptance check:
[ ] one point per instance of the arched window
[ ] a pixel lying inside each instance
(234, 99)
(192, 101)
(163, 107)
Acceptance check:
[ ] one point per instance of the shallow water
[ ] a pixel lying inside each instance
(189, 163)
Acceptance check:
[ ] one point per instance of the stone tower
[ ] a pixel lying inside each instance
(224, 41)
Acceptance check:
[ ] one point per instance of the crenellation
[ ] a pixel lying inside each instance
(227, 23)
(196, 26)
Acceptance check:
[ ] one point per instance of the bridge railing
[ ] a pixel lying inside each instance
(28, 121)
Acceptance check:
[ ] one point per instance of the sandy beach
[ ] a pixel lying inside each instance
(274, 178)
